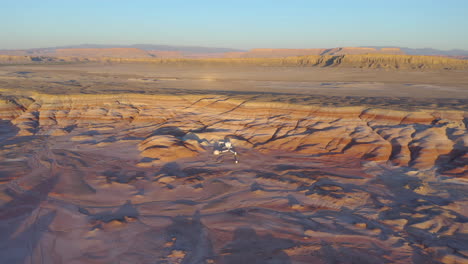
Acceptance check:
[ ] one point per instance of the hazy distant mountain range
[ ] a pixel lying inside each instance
(428, 51)
(193, 49)
(169, 51)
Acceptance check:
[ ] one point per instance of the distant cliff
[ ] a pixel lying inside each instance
(280, 53)
(169, 51)
(166, 53)
(366, 61)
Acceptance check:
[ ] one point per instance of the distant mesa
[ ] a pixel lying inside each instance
(354, 57)
(166, 54)
(123, 51)
(268, 58)
(271, 53)
(193, 53)
(274, 53)
(190, 52)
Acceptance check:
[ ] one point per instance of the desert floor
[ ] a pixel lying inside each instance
(113, 163)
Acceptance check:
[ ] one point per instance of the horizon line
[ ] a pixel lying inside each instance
(221, 47)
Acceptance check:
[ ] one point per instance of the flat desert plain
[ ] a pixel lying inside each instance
(113, 163)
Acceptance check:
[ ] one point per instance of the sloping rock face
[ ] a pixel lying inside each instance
(131, 178)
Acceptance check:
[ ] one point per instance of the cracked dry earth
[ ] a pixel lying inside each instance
(130, 178)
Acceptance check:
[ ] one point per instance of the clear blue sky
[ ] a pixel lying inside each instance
(238, 24)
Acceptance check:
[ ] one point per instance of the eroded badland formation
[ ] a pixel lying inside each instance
(339, 163)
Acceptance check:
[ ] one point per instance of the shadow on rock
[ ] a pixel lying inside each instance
(23, 204)
(248, 247)
(122, 214)
(18, 242)
(332, 254)
(169, 130)
(188, 234)
(7, 130)
(172, 169)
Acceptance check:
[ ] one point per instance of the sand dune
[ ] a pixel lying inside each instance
(100, 168)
